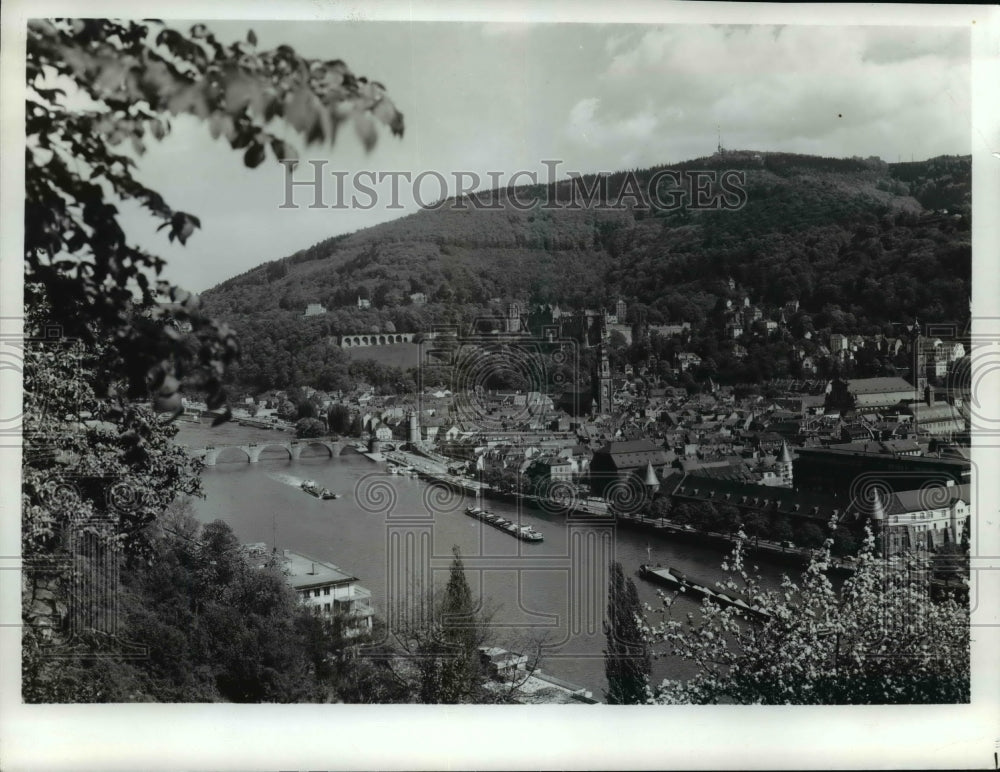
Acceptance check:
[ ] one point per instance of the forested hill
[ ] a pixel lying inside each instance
(869, 241)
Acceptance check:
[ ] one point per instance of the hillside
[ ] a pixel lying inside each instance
(859, 243)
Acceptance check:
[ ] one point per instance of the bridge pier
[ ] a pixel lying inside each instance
(253, 451)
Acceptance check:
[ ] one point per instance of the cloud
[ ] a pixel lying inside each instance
(864, 91)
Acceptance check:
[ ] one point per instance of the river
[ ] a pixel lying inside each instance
(555, 590)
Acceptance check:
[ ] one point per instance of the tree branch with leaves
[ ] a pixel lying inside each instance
(97, 85)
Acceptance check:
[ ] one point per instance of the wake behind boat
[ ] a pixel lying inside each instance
(310, 487)
(522, 532)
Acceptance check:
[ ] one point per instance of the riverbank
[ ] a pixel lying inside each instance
(774, 552)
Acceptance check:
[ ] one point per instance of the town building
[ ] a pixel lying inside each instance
(883, 392)
(670, 330)
(619, 460)
(328, 591)
(838, 471)
(686, 360)
(924, 519)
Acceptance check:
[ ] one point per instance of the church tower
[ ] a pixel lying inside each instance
(784, 463)
(919, 355)
(602, 376)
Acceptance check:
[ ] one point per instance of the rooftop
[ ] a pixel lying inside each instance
(938, 497)
(877, 385)
(304, 571)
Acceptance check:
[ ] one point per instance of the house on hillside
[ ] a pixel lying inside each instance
(328, 591)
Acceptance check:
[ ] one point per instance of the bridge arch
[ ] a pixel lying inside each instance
(215, 456)
(257, 450)
(381, 340)
(305, 444)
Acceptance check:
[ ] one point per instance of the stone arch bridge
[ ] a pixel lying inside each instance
(253, 450)
(362, 340)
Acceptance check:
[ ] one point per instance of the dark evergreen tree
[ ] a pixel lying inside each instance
(626, 659)
(450, 668)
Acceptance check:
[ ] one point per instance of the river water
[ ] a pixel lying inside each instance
(396, 533)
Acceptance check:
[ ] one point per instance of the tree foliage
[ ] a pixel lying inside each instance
(435, 656)
(450, 668)
(627, 659)
(213, 626)
(132, 78)
(338, 418)
(306, 428)
(98, 339)
(882, 638)
(90, 460)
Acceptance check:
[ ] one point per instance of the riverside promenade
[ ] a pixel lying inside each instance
(436, 470)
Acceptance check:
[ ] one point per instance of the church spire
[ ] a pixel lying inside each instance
(651, 481)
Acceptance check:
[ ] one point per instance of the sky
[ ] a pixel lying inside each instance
(484, 97)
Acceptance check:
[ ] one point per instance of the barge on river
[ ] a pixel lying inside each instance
(697, 589)
(313, 489)
(522, 532)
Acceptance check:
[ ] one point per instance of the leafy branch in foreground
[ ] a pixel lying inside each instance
(880, 639)
(124, 81)
(99, 469)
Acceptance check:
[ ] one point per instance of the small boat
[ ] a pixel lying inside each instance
(310, 487)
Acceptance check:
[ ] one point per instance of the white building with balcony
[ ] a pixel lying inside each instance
(328, 591)
(924, 519)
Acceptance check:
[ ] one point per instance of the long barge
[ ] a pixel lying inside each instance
(697, 589)
(522, 532)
